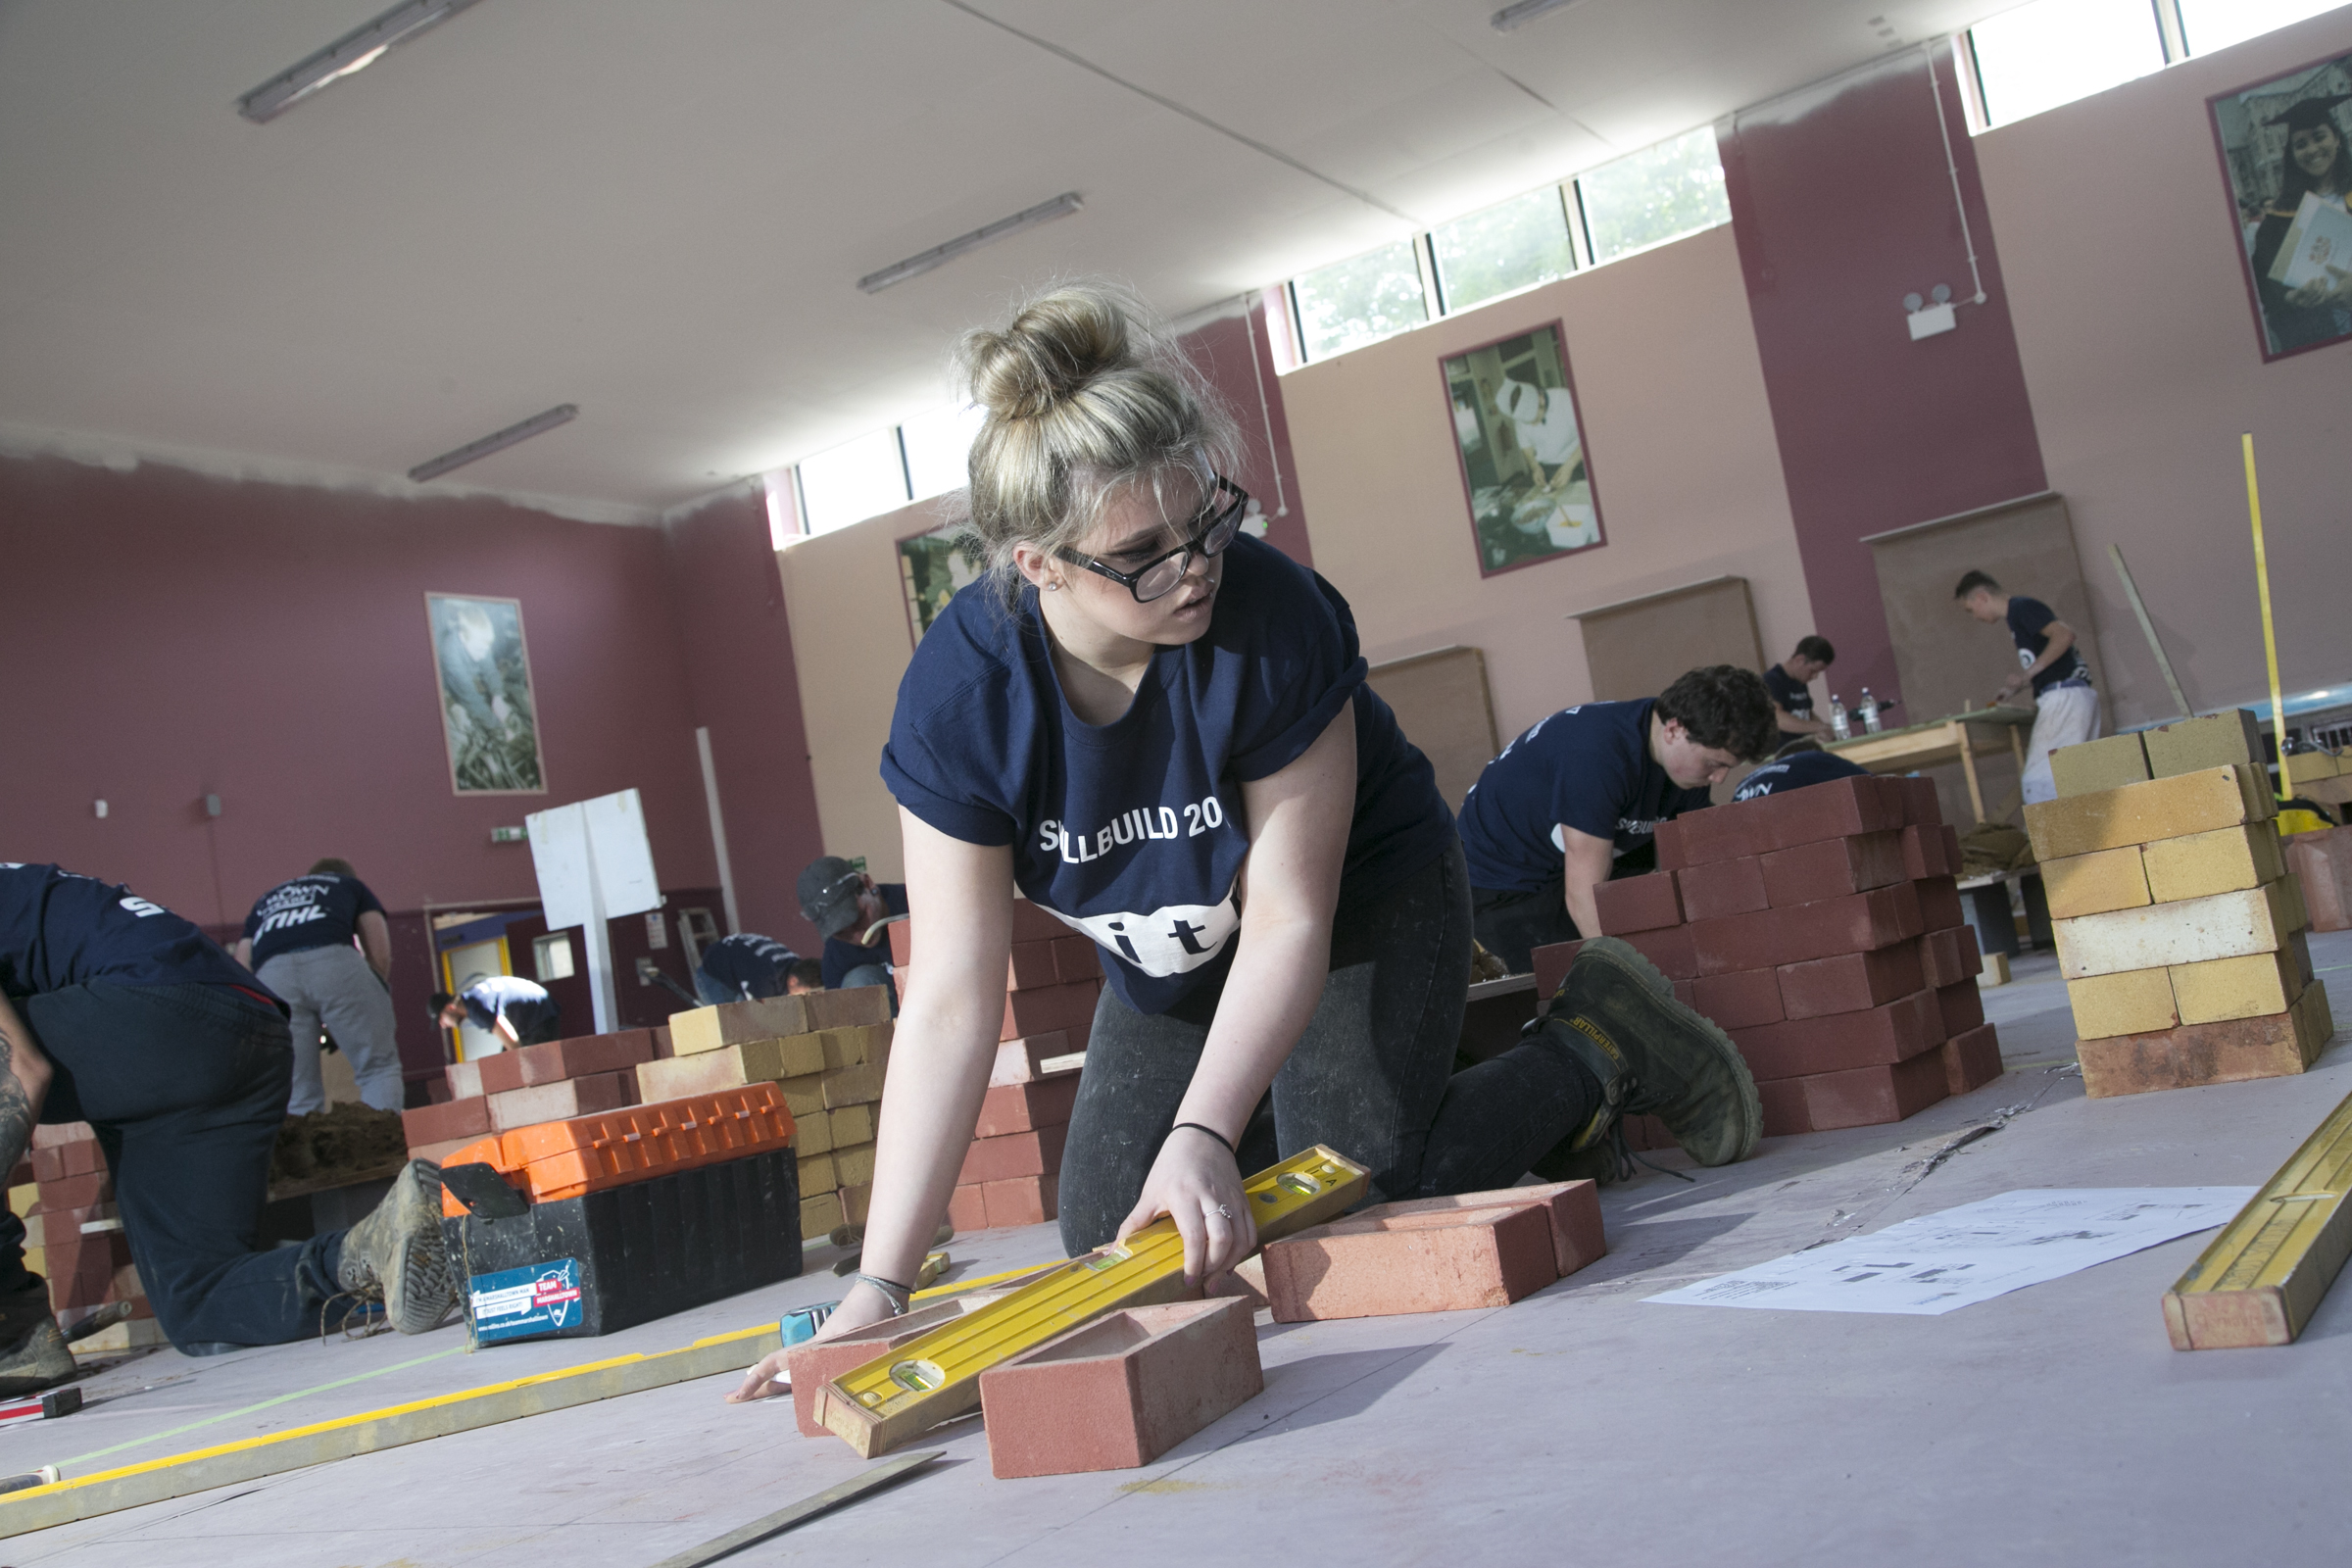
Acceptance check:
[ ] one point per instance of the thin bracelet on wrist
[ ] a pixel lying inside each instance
(899, 1297)
(1212, 1132)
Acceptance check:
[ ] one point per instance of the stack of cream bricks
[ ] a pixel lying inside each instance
(2180, 932)
(74, 1237)
(1012, 1175)
(1822, 930)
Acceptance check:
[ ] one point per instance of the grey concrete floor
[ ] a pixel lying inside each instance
(2054, 1424)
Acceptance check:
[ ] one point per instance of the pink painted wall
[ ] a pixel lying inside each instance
(1842, 203)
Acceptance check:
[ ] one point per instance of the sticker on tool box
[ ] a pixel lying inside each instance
(517, 1303)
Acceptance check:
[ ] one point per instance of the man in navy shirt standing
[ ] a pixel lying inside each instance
(1578, 799)
(843, 902)
(1790, 683)
(299, 940)
(117, 1012)
(2065, 705)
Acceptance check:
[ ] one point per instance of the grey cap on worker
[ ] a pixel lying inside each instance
(828, 892)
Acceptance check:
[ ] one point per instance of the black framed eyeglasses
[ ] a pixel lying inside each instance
(1219, 521)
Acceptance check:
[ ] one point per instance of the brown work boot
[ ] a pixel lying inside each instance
(397, 1254)
(32, 1352)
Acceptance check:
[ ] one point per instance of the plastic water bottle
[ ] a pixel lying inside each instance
(1867, 710)
(1840, 726)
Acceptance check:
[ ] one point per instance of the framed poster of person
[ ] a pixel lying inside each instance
(488, 716)
(932, 568)
(2287, 159)
(1525, 470)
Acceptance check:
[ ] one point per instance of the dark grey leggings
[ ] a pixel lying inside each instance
(1372, 1075)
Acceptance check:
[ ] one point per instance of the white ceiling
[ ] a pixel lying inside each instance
(658, 212)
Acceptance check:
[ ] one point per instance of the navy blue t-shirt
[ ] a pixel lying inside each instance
(1789, 692)
(1805, 768)
(1588, 767)
(1130, 830)
(842, 953)
(2026, 619)
(524, 1005)
(60, 929)
(319, 910)
(749, 964)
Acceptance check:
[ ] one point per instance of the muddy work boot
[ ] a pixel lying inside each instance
(396, 1255)
(1653, 1057)
(32, 1353)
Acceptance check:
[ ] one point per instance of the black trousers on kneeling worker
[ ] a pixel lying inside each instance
(1372, 1076)
(185, 1086)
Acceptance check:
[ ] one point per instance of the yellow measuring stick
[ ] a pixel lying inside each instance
(915, 1386)
(2264, 1276)
(2270, 637)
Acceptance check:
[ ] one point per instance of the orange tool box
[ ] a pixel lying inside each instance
(558, 1160)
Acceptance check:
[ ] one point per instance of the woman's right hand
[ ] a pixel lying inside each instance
(861, 1309)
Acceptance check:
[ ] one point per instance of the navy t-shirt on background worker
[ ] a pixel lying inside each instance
(117, 1012)
(299, 939)
(1157, 728)
(1794, 770)
(843, 904)
(1790, 683)
(2065, 705)
(1578, 799)
(744, 966)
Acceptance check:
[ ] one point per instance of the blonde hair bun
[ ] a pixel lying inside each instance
(1047, 354)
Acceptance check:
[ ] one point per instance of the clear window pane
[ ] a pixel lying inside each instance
(1362, 301)
(2053, 52)
(1657, 194)
(2211, 24)
(939, 446)
(854, 481)
(1519, 242)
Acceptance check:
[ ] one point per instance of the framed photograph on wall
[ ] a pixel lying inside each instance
(1525, 470)
(932, 568)
(2288, 160)
(488, 716)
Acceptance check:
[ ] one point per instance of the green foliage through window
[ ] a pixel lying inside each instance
(1352, 303)
(1655, 195)
(1508, 246)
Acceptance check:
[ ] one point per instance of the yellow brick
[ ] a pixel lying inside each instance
(799, 1055)
(812, 1134)
(850, 1008)
(2224, 860)
(819, 1214)
(706, 1073)
(855, 1167)
(735, 1022)
(2196, 744)
(21, 1199)
(37, 1261)
(854, 1124)
(2253, 987)
(2129, 1004)
(855, 1201)
(856, 1048)
(2304, 767)
(853, 1086)
(804, 1095)
(2101, 764)
(816, 1173)
(2096, 883)
(2139, 813)
(2220, 926)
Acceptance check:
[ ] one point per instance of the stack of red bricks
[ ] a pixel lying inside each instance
(74, 1235)
(1821, 929)
(521, 1088)
(1012, 1174)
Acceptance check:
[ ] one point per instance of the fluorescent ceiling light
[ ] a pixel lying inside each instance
(915, 266)
(560, 413)
(354, 51)
(1523, 12)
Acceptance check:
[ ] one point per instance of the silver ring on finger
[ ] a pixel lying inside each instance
(1223, 1212)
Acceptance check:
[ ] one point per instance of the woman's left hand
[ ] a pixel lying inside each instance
(1196, 1183)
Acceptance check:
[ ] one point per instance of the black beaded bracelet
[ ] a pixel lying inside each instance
(1212, 1132)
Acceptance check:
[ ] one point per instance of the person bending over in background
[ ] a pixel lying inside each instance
(1578, 799)
(746, 965)
(516, 1012)
(1793, 767)
(117, 1012)
(804, 976)
(1790, 683)
(2066, 706)
(845, 904)
(298, 940)
(1159, 729)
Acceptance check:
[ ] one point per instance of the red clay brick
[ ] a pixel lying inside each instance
(1785, 1114)
(1551, 967)
(901, 943)
(1050, 1007)
(810, 1366)
(1896, 1032)
(1021, 1201)
(1925, 852)
(1034, 922)
(1962, 1006)
(1783, 821)
(502, 1071)
(74, 1192)
(664, 1047)
(1970, 1059)
(1920, 804)
(967, 1209)
(1032, 1153)
(55, 1134)
(49, 1165)
(1122, 1390)
(1739, 999)
(1850, 982)
(1671, 951)
(454, 1118)
(1032, 966)
(1859, 922)
(1938, 903)
(1636, 904)
(1864, 1096)
(1949, 955)
(1023, 1107)
(1718, 888)
(1714, 833)
(463, 1080)
(1685, 992)
(1370, 1265)
(1075, 958)
(1830, 868)
(1572, 1207)
(583, 1057)
(561, 1100)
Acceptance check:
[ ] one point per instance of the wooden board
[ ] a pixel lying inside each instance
(1444, 706)
(2264, 1275)
(1637, 646)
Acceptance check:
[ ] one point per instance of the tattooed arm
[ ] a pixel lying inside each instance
(25, 1074)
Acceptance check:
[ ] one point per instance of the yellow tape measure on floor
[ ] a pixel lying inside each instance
(2264, 1275)
(895, 1397)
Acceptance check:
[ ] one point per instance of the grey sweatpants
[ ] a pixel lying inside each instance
(334, 988)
